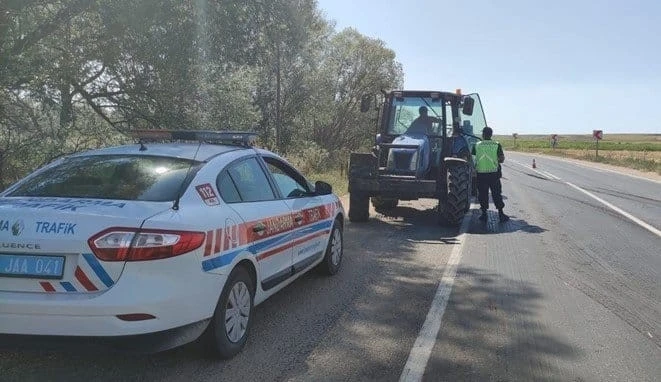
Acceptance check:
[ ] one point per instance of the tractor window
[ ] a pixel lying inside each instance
(448, 121)
(473, 124)
(406, 110)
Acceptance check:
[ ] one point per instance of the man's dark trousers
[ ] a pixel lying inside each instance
(486, 181)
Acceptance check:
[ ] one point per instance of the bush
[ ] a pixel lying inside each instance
(309, 158)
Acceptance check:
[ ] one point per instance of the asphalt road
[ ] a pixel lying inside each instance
(568, 290)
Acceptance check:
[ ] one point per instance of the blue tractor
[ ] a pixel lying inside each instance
(422, 150)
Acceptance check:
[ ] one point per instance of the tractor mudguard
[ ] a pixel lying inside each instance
(459, 144)
(453, 162)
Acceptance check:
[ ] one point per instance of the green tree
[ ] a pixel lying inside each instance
(75, 74)
(352, 66)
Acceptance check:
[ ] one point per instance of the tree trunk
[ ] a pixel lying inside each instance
(66, 109)
(278, 142)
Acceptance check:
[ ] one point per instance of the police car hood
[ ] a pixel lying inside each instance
(34, 231)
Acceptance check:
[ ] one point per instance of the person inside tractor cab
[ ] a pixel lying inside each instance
(423, 124)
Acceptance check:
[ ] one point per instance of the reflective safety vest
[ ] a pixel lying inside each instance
(486, 153)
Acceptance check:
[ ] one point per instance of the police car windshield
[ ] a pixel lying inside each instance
(139, 177)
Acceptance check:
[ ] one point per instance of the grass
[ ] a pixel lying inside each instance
(637, 151)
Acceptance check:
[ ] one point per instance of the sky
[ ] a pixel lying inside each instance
(552, 67)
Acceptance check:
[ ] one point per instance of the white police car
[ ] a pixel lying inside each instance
(146, 247)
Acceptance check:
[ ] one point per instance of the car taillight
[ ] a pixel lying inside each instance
(129, 244)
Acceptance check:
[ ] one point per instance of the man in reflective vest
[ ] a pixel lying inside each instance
(489, 155)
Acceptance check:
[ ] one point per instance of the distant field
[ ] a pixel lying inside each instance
(588, 137)
(639, 151)
(615, 142)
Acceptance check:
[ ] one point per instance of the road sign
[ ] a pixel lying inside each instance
(598, 135)
(515, 135)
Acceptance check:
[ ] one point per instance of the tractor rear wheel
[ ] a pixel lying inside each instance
(451, 210)
(359, 207)
(384, 204)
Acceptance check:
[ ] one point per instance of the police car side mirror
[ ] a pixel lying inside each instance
(322, 188)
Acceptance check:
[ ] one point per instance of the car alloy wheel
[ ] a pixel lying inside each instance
(237, 312)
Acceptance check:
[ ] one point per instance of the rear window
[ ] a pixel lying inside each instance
(147, 178)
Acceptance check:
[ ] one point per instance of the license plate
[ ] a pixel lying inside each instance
(43, 267)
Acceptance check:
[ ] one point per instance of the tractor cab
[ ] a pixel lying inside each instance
(421, 151)
(418, 129)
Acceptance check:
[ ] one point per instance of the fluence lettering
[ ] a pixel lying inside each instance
(20, 245)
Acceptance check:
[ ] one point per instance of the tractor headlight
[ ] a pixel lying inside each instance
(413, 166)
(391, 160)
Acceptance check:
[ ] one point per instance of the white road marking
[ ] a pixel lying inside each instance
(590, 167)
(627, 215)
(550, 175)
(419, 356)
(544, 174)
(618, 210)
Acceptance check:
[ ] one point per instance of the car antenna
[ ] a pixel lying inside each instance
(175, 206)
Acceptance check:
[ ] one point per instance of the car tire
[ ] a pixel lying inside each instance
(221, 342)
(332, 261)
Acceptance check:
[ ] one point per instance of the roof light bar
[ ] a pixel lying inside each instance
(234, 138)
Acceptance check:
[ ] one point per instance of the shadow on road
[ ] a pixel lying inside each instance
(493, 226)
(287, 327)
(489, 333)
(415, 225)
(357, 325)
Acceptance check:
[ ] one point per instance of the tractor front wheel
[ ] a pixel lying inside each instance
(451, 210)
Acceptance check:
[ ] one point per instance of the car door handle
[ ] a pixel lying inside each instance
(259, 227)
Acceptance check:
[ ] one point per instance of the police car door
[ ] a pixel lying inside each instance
(267, 220)
(310, 214)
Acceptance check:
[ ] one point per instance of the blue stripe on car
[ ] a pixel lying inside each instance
(68, 286)
(265, 245)
(98, 269)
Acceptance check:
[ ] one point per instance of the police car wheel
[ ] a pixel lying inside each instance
(334, 251)
(228, 331)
